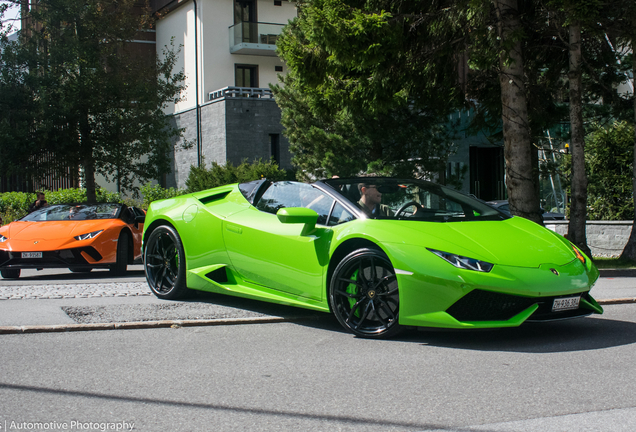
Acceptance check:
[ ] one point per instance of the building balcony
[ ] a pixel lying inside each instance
(252, 38)
(241, 92)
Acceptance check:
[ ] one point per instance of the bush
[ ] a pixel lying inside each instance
(152, 193)
(14, 205)
(201, 178)
(76, 195)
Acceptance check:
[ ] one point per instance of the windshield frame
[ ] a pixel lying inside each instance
(390, 183)
(40, 215)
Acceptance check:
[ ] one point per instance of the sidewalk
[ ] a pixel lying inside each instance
(146, 311)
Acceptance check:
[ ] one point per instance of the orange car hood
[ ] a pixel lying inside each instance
(55, 230)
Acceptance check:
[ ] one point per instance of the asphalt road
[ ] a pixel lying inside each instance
(311, 376)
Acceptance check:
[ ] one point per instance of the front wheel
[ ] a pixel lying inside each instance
(364, 296)
(121, 263)
(10, 273)
(164, 263)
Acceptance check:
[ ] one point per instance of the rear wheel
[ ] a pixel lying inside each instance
(364, 294)
(164, 263)
(121, 265)
(10, 273)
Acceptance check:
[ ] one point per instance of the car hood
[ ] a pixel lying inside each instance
(514, 241)
(53, 230)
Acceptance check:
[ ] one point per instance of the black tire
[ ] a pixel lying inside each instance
(364, 295)
(121, 265)
(10, 273)
(80, 269)
(164, 264)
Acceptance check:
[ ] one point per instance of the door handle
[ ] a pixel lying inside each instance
(234, 229)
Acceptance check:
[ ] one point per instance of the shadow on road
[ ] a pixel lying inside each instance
(590, 333)
(581, 334)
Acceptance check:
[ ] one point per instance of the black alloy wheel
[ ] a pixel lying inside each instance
(10, 273)
(364, 296)
(164, 263)
(121, 263)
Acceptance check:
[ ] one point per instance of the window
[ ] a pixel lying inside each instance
(244, 11)
(246, 76)
(292, 194)
(274, 145)
(340, 215)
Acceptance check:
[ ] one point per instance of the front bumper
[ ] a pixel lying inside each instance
(435, 294)
(83, 257)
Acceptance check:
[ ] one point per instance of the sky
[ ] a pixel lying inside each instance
(13, 12)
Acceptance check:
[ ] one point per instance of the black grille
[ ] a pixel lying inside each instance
(479, 305)
(61, 258)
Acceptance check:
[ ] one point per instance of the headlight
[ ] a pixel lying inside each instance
(87, 236)
(464, 262)
(3, 238)
(578, 253)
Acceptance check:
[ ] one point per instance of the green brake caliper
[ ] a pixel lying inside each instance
(352, 288)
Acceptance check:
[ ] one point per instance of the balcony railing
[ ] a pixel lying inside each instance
(254, 38)
(241, 92)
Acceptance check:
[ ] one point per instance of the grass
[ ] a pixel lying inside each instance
(613, 263)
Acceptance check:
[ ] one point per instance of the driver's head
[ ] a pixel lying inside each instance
(370, 194)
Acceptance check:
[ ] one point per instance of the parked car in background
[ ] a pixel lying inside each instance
(75, 236)
(427, 256)
(502, 205)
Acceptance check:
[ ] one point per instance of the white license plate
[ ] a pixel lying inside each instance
(567, 303)
(31, 254)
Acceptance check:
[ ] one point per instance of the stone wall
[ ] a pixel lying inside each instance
(605, 238)
(232, 129)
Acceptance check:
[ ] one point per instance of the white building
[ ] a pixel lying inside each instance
(229, 58)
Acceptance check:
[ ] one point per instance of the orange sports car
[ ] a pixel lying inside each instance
(78, 236)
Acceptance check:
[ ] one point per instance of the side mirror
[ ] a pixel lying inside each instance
(298, 215)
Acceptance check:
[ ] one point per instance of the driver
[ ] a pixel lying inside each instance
(370, 201)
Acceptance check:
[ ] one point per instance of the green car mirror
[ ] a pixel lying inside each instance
(298, 215)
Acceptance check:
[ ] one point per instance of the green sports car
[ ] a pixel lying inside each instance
(379, 253)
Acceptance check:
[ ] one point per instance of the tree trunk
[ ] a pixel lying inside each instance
(629, 252)
(578, 208)
(87, 161)
(522, 195)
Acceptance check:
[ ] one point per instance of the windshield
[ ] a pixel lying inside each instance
(74, 212)
(384, 198)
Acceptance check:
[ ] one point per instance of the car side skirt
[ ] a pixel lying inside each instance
(221, 279)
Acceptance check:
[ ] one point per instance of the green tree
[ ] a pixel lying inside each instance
(577, 16)
(93, 101)
(363, 93)
(369, 83)
(609, 157)
(625, 30)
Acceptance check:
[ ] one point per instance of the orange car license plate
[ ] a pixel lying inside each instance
(31, 255)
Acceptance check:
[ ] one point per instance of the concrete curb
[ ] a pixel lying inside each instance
(60, 328)
(617, 301)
